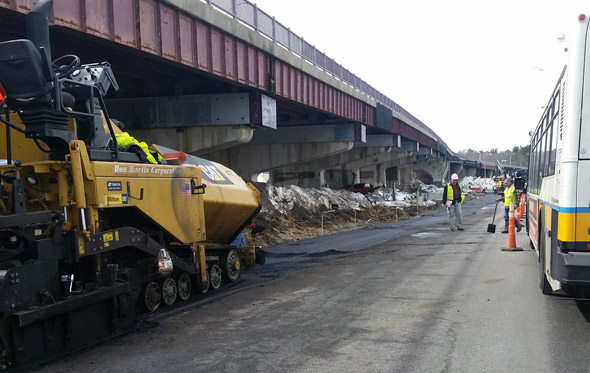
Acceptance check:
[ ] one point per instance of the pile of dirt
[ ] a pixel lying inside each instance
(292, 213)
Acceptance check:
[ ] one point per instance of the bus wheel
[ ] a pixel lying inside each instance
(544, 284)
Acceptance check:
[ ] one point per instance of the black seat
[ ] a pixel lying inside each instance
(22, 74)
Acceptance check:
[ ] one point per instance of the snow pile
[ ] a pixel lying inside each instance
(417, 186)
(469, 183)
(303, 202)
(292, 198)
(429, 203)
(385, 196)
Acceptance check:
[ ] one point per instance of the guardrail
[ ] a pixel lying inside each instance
(251, 15)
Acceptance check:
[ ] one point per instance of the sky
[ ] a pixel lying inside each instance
(477, 72)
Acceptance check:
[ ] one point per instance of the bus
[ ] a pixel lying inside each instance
(558, 201)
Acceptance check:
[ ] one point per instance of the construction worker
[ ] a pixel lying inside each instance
(452, 200)
(508, 199)
(126, 141)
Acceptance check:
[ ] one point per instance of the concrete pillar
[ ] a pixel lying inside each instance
(406, 174)
(323, 181)
(340, 167)
(380, 174)
(470, 171)
(357, 178)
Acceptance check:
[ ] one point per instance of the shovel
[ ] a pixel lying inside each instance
(492, 227)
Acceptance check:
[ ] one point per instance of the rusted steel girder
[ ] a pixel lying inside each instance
(167, 32)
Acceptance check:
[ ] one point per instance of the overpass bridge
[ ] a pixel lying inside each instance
(225, 80)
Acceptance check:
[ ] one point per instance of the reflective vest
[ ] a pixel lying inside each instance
(508, 195)
(124, 140)
(450, 196)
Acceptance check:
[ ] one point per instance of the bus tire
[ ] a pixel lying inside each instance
(544, 284)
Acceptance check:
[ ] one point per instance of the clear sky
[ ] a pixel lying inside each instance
(472, 70)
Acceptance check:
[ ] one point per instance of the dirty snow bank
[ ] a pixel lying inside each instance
(478, 183)
(291, 213)
(293, 198)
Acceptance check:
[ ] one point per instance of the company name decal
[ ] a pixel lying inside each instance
(132, 169)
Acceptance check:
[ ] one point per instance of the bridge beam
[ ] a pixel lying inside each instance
(409, 145)
(380, 140)
(249, 160)
(314, 133)
(227, 109)
(196, 140)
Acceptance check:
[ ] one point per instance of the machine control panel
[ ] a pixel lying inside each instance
(100, 74)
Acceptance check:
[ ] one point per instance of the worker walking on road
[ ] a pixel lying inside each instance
(452, 200)
(508, 199)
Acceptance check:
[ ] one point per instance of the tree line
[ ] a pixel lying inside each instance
(517, 156)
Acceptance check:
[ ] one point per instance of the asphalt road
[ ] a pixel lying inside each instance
(407, 297)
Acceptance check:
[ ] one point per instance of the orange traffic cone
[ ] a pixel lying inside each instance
(511, 239)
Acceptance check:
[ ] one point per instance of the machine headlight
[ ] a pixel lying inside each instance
(32, 180)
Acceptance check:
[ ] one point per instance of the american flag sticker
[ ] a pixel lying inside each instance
(185, 189)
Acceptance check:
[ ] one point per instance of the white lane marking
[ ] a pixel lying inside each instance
(425, 234)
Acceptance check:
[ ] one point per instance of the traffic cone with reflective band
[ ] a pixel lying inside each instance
(511, 239)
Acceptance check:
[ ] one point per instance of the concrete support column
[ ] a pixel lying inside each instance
(323, 181)
(406, 174)
(357, 176)
(380, 175)
(338, 167)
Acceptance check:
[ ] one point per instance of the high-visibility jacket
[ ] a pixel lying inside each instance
(124, 140)
(450, 196)
(508, 195)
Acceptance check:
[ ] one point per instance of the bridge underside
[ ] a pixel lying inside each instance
(189, 94)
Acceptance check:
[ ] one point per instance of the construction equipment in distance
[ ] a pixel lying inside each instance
(89, 231)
